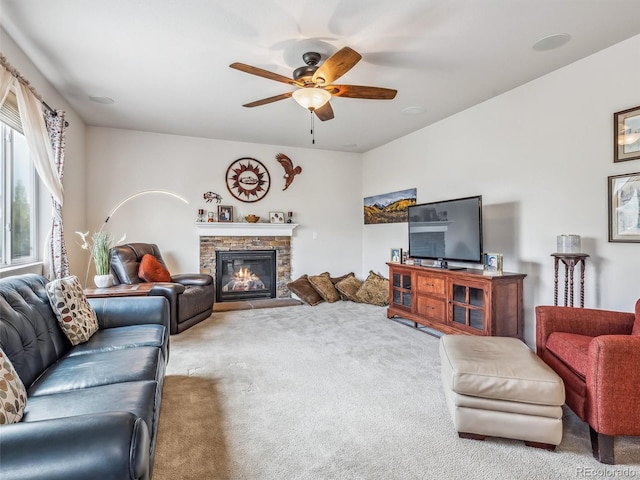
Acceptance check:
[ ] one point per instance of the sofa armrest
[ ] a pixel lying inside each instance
(167, 289)
(124, 311)
(104, 445)
(192, 279)
(613, 382)
(582, 321)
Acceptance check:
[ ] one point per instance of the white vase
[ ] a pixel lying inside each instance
(103, 281)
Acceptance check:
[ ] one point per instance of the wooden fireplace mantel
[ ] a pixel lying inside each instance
(238, 229)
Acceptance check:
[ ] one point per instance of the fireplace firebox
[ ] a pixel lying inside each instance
(245, 274)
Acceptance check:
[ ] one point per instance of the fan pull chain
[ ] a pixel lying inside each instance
(313, 133)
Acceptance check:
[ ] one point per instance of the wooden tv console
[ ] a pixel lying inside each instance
(457, 301)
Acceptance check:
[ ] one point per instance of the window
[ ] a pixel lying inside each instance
(18, 191)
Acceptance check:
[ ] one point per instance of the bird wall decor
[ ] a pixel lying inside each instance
(289, 171)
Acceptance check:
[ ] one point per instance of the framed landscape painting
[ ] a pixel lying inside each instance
(389, 207)
(626, 138)
(624, 208)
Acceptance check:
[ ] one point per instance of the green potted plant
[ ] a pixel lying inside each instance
(99, 246)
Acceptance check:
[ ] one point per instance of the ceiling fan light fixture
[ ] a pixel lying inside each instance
(311, 98)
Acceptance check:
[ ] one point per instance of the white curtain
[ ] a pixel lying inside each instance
(44, 160)
(6, 80)
(37, 136)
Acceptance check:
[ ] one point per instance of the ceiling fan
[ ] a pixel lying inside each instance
(316, 82)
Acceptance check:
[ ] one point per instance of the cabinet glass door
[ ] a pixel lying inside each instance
(401, 290)
(468, 306)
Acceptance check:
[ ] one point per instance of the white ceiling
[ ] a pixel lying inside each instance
(166, 62)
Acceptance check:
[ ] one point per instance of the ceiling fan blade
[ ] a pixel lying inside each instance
(336, 65)
(360, 91)
(264, 101)
(265, 74)
(325, 112)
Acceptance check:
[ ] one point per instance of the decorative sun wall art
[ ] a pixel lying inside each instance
(248, 180)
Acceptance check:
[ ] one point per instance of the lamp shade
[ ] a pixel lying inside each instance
(311, 97)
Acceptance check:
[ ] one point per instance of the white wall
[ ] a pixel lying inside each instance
(540, 156)
(74, 211)
(326, 197)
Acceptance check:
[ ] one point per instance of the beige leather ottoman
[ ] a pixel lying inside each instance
(498, 387)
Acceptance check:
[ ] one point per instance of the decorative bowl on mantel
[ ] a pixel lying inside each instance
(252, 218)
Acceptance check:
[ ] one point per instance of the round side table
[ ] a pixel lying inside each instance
(570, 260)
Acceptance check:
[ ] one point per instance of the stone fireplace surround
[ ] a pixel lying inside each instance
(248, 236)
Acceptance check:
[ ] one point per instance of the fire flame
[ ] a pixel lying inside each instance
(244, 274)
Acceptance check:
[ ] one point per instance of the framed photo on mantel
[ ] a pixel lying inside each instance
(225, 213)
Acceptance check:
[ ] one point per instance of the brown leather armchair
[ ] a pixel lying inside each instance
(597, 355)
(190, 296)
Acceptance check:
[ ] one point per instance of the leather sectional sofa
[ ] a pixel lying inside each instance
(92, 409)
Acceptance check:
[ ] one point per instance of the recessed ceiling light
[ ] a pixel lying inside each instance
(350, 145)
(551, 41)
(415, 110)
(103, 100)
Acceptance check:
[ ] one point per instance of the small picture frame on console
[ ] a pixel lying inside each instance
(492, 264)
(225, 213)
(395, 255)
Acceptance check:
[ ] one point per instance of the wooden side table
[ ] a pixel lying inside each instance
(136, 290)
(570, 260)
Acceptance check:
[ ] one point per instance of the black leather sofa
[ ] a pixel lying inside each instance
(92, 410)
(191, 295)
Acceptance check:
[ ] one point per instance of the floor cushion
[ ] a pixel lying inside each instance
(324, 286)
(374, 290)
(303, 289)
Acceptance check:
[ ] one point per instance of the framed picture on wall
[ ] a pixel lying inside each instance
(626, 138)
(624, 208)
(225, 213)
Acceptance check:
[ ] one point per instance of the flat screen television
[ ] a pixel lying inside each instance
(449, 230)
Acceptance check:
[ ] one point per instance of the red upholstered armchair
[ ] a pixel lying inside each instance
(597, 354)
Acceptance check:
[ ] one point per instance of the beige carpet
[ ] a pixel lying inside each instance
(335, 391)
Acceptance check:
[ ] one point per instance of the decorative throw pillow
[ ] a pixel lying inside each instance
(374, 290)
(636, 324)
(13, 395)
(305, 291)
(349, 288)
(151, 270)
(322, 283)
(75, 316)
(335, 281)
